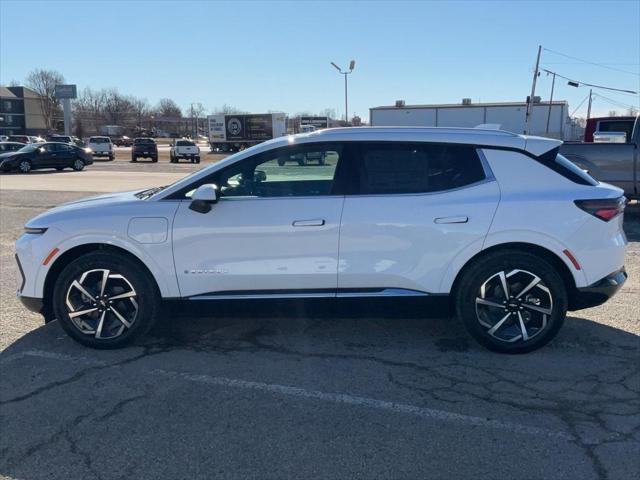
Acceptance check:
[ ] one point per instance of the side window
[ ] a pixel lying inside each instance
(61, 148)
(306, 170)
(396, 168)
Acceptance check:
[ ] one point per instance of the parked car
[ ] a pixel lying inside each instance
(66, 139)
(144, 148)
(496, 225)
(19, 138)
(36, 156)
(614, 163)
(101, 147)
(4, 138)
(123, 141)
(184, 149)
(10, 146)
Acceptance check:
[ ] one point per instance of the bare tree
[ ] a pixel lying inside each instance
(169, 109)
(117, 108)
(227, 110)
(44, 83)
(141, 109)
(632, 112)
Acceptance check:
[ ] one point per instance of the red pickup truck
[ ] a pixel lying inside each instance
(608, 124)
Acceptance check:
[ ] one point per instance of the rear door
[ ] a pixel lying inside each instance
(413, 209)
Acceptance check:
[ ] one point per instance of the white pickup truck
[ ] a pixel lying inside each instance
(184, 149)
(101, 147)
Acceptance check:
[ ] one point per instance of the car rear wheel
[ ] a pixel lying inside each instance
(78, 164)
(104, 300)
(24, 166)
(511, 301)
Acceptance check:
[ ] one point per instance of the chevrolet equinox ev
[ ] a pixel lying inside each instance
(499, 226)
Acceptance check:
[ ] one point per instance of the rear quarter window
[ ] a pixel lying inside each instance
(565, 167)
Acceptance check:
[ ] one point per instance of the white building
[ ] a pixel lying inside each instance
(509, 115)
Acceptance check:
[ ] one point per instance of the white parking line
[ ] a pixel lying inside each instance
(339, 398)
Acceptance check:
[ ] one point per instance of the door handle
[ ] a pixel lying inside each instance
(460, 219)
(317, 222)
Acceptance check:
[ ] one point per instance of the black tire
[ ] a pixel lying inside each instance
(59, 169)
(134, 159)
(147, 298)
(154, 159)
(540, 328)
(197, 159)
(25, 166)
(111, 157)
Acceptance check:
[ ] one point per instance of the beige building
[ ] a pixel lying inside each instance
(21, 112)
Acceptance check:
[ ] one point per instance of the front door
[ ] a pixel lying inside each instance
(274, 231)
(415, 207)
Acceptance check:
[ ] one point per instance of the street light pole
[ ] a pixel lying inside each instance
(352, 65)
(529, 112)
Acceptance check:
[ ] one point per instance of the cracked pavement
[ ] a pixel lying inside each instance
(317, 390)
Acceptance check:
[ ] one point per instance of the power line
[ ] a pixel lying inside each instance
(578, 107)
(592, 63)
(614, 102)
(579, 83)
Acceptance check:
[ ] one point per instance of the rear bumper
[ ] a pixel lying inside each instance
(598, 292)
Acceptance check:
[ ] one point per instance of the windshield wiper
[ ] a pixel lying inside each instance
(150, 192)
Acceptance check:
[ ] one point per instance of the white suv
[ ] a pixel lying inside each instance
(101, 147)
(498, 226)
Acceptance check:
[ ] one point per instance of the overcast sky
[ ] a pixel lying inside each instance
(261, 56)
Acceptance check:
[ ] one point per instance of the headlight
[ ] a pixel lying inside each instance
(35, 230)
(88, 150)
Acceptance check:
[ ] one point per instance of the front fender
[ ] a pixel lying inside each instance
(158, 258)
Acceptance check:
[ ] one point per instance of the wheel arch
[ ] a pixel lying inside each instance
(69, 255)
(548, 255)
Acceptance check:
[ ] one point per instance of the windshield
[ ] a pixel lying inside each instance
(29, 148)
(143, 141)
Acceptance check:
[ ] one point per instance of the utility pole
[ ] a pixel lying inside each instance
(553, 83)
(589, 107)
(527, 119)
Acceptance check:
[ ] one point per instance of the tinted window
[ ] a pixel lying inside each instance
(61, 147)
(143, 141)
(98, 140)
(185, 143)
(395, 168)
(571, 171)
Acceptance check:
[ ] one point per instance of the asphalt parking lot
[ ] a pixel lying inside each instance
(291, 390)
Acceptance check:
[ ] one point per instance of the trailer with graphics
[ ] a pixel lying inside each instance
(234, 132)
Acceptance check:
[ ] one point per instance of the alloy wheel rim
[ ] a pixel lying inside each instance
(25, 166)
(514, 306)
(79, 164)
(102, 303)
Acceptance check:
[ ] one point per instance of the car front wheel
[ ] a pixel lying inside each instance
(78, 164)
(24, 166)
(104, 300)
(511, 301)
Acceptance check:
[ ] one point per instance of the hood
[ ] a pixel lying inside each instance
(119, 200)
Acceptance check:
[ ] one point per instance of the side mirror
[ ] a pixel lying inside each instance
(203, 198)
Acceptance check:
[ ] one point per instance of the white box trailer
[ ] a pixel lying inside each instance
(509, 115)
(233, 132)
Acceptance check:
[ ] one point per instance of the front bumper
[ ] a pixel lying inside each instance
(33, 304)
(598, 292)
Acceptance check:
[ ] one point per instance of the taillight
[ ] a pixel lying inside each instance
(605, 208)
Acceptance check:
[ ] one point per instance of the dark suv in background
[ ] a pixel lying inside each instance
(144, 148)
